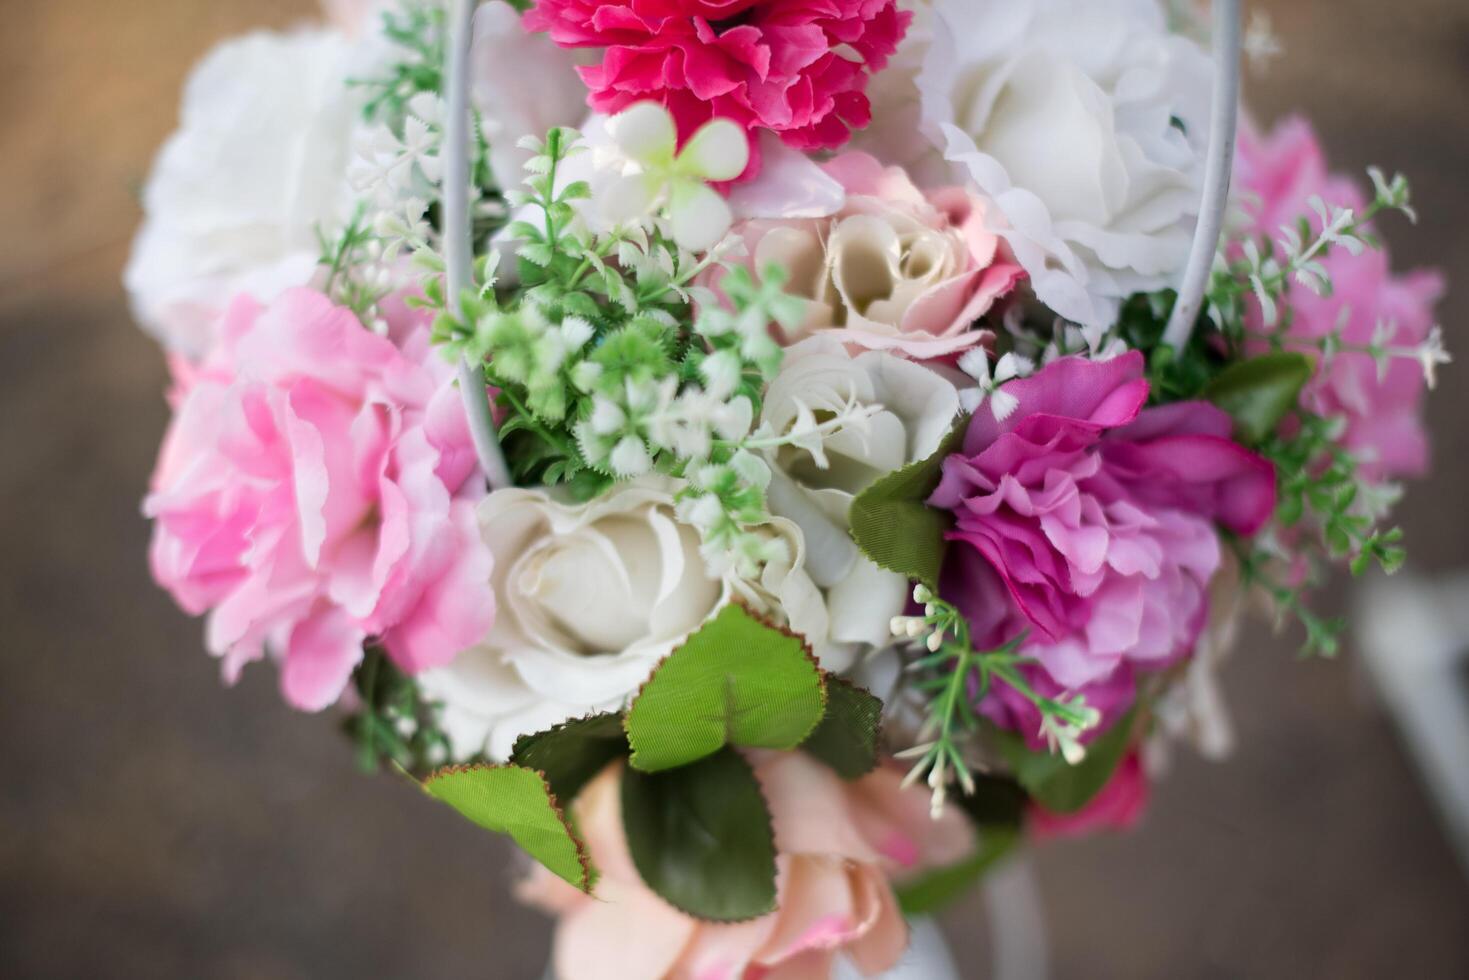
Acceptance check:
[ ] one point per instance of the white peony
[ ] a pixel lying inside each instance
(814, 484)
(238, 191)
(1086, 121)
(590, 597)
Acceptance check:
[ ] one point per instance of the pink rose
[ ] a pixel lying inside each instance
(1278, 175)
(1119, 806)
(316, 489)
(1087, 523)
(894, 269)
(796, 68)
(838, 845)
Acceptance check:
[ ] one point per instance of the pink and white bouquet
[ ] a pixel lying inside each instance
(762, 455)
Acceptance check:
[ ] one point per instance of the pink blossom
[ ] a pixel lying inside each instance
(1278, 174)
(1119, 806)
(894, 268)
(1087, 523)
(838, 845)
(316, 489)
(797, 67)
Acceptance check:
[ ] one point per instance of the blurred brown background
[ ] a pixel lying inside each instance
(155, 825)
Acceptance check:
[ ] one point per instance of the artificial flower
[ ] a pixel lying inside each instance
(238, 192)
(1085, 122)
(894, 268)
(839, 846)
(797, 69)
(1119, 805)
(316, 488)
(1087, 522)
(591, 597)
(1279, 174)
(661, 175)
(814, 481)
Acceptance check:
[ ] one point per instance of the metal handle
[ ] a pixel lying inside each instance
(1219, 166)
(458, 237)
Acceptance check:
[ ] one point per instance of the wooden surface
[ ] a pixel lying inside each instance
(155, 825)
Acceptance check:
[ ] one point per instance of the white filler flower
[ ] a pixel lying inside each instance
(237, 193)
(1086, 121)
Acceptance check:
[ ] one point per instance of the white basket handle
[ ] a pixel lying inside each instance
(1218, 167)
(458, 236)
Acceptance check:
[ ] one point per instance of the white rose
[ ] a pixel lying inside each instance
(814, 484)
(237, 193)
(590, 597)
(1086, 121)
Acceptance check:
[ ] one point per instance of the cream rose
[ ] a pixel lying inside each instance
(814, 482)
(894, 268)
(590, 597)
(1085, 121)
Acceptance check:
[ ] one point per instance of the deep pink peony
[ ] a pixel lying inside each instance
(1087, 522)
(840, 846)
(1119, 806)
(315, 489)
(797, 67)
(1278, 174)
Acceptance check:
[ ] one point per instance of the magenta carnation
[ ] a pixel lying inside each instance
(315, 490)
(1278, 175)
(1087, 523)
(797, 67)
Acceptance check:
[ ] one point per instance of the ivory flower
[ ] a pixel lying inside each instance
(238, 192)
(590, 598)
(893, 268)
(814, 484)
(1085, 121)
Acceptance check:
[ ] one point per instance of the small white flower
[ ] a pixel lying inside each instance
(664, 177)
(721, 371)
(1431, 354)
(1003, 403)
(607, 416)
(630, 457)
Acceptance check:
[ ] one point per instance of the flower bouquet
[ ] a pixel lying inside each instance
(768, 457)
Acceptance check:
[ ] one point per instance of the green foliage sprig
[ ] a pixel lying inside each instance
(955, 677)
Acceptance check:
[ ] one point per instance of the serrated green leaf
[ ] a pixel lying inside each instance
(701, 837)
(737, 681)
(570, 754)
(1056, 784)
(516, 801)
(892, 524)
(1260, 392)
(846, 739)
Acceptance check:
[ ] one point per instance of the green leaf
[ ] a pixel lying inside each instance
(701, 837)
(1258, 393)
(846, 739)
(516, 801)
(996, 809)
(1059, 786)
(892, 524)
(737, 681)
(570, 754)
